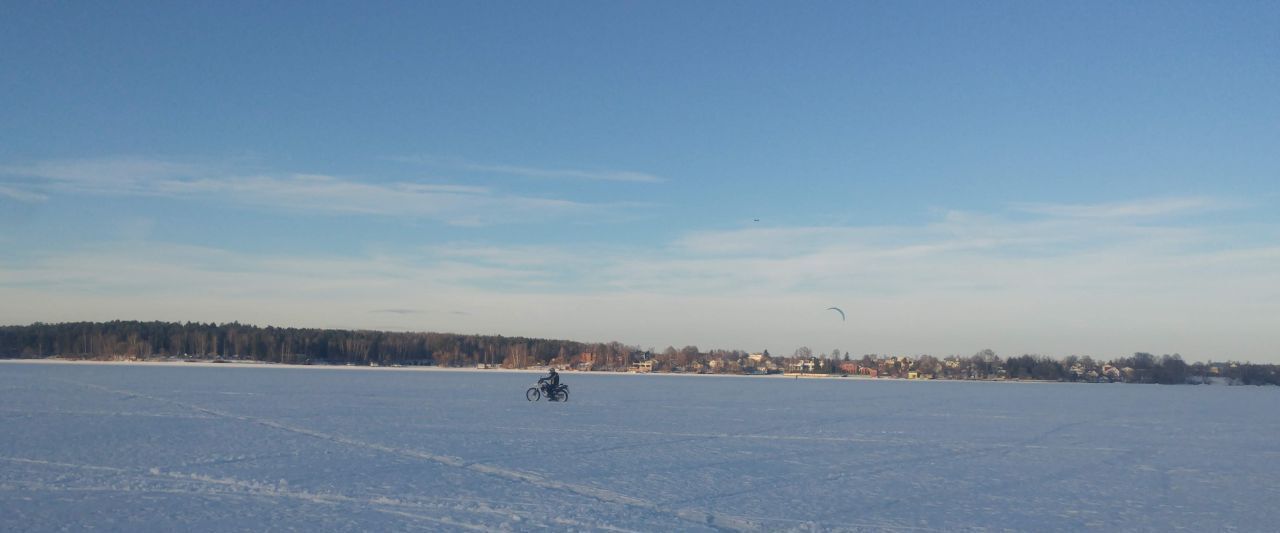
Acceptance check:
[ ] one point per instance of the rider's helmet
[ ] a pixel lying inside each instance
(553, 370)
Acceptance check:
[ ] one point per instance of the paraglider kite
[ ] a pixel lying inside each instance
(838, 310)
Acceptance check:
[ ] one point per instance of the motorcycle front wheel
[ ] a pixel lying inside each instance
(532, 394)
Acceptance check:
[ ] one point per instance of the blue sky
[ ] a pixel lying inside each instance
(1033, 177)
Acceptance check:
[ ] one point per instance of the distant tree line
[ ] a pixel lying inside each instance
(235, 341)
(1141, 367)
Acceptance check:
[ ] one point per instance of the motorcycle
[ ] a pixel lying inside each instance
(536, 392)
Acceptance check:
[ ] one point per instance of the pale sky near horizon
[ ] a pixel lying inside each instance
(1051, 178)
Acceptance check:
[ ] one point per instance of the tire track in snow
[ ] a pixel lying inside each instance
(442, 521)
(887, 441)
(28, 413)
(796, 524)
(62, 465)
(697, 516)
(230, 486)
(232, 459)
(333, 500)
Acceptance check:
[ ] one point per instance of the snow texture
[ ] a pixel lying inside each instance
(116, 447)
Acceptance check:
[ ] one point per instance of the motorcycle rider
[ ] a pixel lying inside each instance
(550, 383)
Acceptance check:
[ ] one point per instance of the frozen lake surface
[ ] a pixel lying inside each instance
(175, 448)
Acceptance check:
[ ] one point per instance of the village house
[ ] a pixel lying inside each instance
(1112, 373)
(758, 363)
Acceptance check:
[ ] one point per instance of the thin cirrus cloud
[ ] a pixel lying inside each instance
(22, 195)
(1058, 246)
(534, 172)
(603, 175)
(1147, 207)
(119, 175)
(959, 253)
(1052, 229)
(454, 204)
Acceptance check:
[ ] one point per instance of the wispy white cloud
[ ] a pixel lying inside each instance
(119, 175)
(1147, 207)
(21, 195)
(592, 175)
(535, 172)
(456, 204)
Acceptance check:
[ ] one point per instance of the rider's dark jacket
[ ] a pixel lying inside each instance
(552, 380)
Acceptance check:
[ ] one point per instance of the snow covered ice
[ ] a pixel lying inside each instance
(247, 448)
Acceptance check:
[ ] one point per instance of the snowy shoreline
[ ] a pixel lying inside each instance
(263, 364)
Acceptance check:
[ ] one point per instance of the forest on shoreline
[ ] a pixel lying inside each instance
(134, 340)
